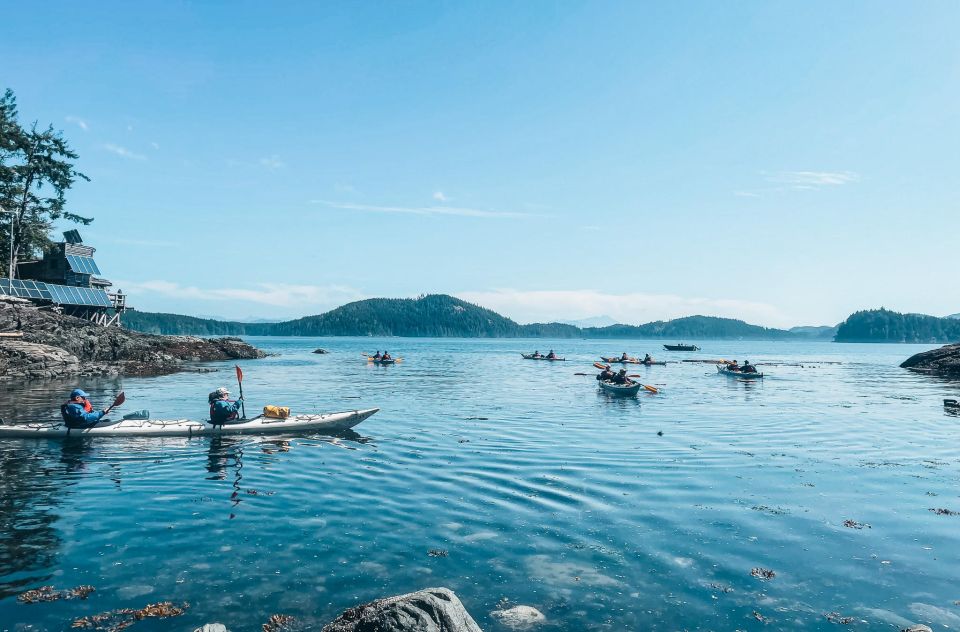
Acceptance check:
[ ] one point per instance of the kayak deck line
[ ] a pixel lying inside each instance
(322, 422)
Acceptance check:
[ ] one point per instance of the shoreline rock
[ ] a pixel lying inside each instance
(944, 361)
(428, 610)
(53, 346)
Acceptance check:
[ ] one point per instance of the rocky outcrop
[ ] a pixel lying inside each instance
(519, 617)
(52, 345)
(430, 610)
(944, 361)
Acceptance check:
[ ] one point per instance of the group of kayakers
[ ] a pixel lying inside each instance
(549, 356)
(746, 367)
(620, 377)
(78, 412)
(647, 358)
(384, 356)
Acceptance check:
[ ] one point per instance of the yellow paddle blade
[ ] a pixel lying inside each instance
(652, 389)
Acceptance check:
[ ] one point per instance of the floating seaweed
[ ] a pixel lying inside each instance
(945, 512)
(762, 573)
(438, 553)
(47, 593)
(773, 511)
(257, 492)
(836, 617)
(123, 618)
(759, 617)
(277, 622)
(853, 524)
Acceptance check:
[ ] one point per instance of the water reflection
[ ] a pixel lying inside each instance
(30, 495)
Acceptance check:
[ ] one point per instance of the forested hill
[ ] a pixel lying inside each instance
(435, 315)
(692, 328)
(444, 316)
(882, 325)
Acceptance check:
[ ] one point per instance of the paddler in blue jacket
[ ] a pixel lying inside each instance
(222, 409)
(78, 412)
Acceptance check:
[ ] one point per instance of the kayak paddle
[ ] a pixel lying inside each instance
(240, 382)
(122, 397)
(652, 389)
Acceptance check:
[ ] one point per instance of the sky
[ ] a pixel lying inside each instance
(786, 163)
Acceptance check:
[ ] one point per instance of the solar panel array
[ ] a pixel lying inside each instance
(24, 289)
(59, 294)
(83, 265)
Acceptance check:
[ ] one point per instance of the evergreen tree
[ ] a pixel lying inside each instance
(36, 171)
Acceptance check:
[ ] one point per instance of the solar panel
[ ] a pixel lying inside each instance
(83, 265)
(72, 237)
(25, 289)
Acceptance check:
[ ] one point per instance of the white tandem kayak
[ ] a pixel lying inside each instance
(325, 422)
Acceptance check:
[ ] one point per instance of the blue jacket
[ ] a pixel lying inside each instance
(76, 417)
(223, 410)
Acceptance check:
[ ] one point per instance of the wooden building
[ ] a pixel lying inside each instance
(68, 278)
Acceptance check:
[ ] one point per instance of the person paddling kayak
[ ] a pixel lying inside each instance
(606, 375)
(78, 412)
(621, 378)
(222, 408)
(377, 355)
(747, 367)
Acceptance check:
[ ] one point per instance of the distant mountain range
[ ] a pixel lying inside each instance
(439, 315)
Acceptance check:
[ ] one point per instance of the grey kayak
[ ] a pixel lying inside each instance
(747, 376)
(620, 389)
(324, 422)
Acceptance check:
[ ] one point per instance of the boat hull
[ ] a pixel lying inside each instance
(622, 390)
(746, 376)
(326, 422)
(631, 361)
(681, 347)
(530, 356)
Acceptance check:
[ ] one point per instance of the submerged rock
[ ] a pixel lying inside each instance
(212, 627)
(321, 351)
(519, 617)
(53, 345)
(917, 628)
(943, 361)
(429, 610)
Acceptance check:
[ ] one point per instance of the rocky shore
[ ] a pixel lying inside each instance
(39, 343)
(944, 361)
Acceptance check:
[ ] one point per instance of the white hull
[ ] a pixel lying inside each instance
(326, 422)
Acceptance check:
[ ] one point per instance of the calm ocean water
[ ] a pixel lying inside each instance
(539, 489)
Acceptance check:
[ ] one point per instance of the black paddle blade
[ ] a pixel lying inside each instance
(122, 397)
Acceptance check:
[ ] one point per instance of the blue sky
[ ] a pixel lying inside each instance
(786, 163)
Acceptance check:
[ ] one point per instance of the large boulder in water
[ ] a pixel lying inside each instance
(429, 610)
(944, 361)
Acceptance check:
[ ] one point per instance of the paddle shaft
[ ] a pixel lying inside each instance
(243, 407)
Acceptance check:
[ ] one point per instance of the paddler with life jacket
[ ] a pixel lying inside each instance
(606, 375)
(551, 355)
(377, 356)
(747, 367)
(621, 378)
(78, 412)
(222, 408)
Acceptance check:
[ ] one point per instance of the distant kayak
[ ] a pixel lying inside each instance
(722, 368)
(620, 389)
(681, 347)
(630, 361)
(951, 403)
(530, 356)
(325, 422)
(381, 361)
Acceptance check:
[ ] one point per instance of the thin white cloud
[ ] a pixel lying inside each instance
(155, 145)
(632, 308)
(279, 294)
(814, 179)
(440, 197)
(272, 162)
(750, 194)
(123, 152)
(422, 210)
(78, 121)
